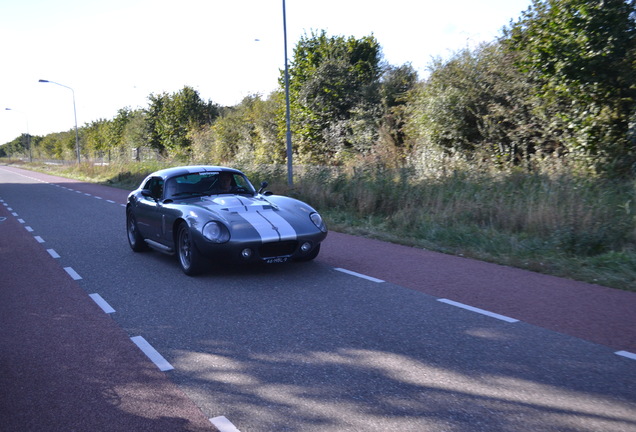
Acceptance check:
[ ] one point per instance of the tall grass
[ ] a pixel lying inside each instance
(561, 224)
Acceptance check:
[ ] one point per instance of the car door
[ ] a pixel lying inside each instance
(148, 209)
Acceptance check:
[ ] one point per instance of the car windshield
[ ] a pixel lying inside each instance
(207, 183)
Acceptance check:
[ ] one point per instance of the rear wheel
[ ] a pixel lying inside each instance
(190, 260)
(135, 240)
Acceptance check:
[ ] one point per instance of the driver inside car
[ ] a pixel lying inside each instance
(226, 182)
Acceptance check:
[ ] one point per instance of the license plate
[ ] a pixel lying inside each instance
(277, 260)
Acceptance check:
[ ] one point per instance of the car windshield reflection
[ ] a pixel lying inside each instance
(207, 183)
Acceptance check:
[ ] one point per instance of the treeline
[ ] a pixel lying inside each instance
(559, 84)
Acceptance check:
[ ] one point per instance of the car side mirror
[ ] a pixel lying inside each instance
(262, 189)
(148, 194)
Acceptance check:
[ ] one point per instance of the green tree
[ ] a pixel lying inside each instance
(580, 56)
(94, 138)
(126, 133)
(133, 136)
(333, 88)
(449, 105)
(15, 147)
(245, 133)
(171, 117)
(117, 126)
(58, 145)
(396, 84)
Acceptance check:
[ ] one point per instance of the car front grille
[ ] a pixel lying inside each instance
(277, 248)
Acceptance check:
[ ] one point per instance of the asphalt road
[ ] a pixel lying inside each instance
(305, 346)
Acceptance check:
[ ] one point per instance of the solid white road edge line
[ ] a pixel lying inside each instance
(223, 424)
(72, 273)
(369, 278)
(151, 353)
(481, 311)
(53, 253)
(102, 303)
(627, 354)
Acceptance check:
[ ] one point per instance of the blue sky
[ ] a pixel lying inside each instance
(114, 53)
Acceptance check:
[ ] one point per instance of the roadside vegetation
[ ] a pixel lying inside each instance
(521, 151)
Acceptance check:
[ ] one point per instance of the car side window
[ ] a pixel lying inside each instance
(155, 187)
(240, 182)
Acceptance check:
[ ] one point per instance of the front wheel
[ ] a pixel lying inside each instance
(190, 260)
(135, 240)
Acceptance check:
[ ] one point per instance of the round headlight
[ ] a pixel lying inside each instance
(317, 220)
(215, 232)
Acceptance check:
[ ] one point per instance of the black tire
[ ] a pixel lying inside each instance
(135, 240)
(312, 255)
(189, 257)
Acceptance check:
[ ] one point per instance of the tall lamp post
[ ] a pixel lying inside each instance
(77, 145)
(290, 176)
(28, 137)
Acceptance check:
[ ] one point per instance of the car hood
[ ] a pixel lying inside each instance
(235, 204)
(274, 218)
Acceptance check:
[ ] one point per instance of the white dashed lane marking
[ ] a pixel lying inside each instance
(102, 303)
(223, 424)
(450, 302)
(53, 253)
(39, 239)
(152, 353)
(72, 273)
(352, 273)
(480, 311)
(627, 354)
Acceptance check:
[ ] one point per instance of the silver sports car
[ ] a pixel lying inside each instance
(201, 213)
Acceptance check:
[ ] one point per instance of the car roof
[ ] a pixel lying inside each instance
(191, 169)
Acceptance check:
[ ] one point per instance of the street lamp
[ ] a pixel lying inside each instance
(77, 145)
(290, 177)
(28, 137)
